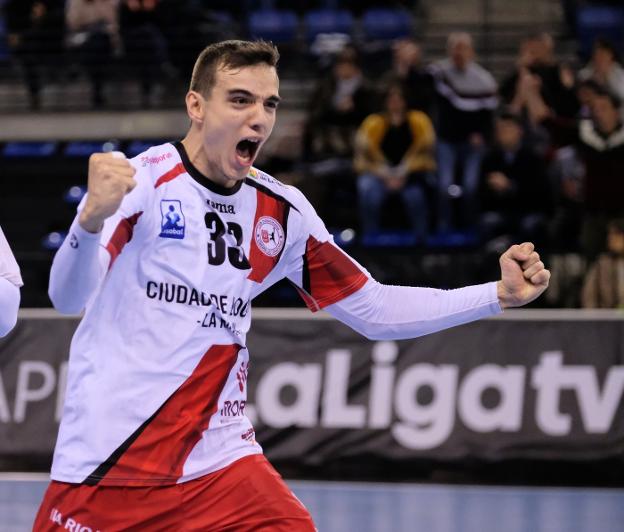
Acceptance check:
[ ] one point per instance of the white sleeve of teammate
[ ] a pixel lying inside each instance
(9, 305)
(10, 281)
(8, 265)
(385, 312)
(83, 260)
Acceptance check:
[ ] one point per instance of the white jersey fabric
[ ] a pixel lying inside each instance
(158, 367)
(10, 282)
(8, 265)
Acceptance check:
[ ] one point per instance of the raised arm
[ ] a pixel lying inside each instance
(327, 278)
(388, 312)
(81, 262)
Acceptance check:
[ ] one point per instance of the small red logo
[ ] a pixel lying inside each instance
(145, 160)
(241, 375)
(249, 435)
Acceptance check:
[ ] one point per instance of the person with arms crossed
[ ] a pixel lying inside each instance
(153, 434)
(10, 282)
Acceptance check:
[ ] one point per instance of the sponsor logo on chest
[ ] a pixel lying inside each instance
(172, 222)
(221, 207)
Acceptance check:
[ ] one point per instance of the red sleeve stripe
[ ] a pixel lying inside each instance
(121, 236)
(170, 175)
(328, 275)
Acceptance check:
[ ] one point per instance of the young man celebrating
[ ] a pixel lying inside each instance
(10, 282)
(166, 254)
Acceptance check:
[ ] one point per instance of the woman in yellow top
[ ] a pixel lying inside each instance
(394, 153)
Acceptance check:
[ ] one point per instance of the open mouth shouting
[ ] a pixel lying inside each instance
(247, 149)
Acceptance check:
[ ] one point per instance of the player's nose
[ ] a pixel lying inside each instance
(259, 119)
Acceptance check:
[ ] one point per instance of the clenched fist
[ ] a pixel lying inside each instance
(524, 276)
(111, 177)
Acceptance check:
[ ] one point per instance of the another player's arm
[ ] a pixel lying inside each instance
(80, 263)
(10, 282)
(9, 305)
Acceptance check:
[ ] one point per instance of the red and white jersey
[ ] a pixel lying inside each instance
(157, 381)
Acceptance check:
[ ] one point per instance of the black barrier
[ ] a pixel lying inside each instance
(534, 385)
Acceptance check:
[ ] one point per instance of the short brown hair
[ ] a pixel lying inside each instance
(229, 54)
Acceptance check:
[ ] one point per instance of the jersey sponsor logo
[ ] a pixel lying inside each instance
(70, 523)
(172, 223)
(234, 408)
(249, 435)
(221, 207)
(241, 375)
(258, 174)
(269, 236)
(145, 160)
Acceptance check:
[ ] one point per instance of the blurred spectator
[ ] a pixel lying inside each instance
(188, 30)
(466, 101)
(585, 92)
(515, 195)
(93, 34)
(35, 36)
(599, 143)
(567, 175)
(394, 155)
(604, 283)
(341, 100)
(605, 69)
(536, 55)
(408, 69)
(145, 47)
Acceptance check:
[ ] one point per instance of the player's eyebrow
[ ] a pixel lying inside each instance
(274, 98)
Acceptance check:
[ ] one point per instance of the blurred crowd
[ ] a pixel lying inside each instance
(538, 156)
(143, 37)
(430, 148)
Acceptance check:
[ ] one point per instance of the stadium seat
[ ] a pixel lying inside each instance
(381, 24)
(389, 238)
(279, 26)
(85, 149)
(4, 47)
(453, 239)
(29, 149)
(599, 21)
(320, 21)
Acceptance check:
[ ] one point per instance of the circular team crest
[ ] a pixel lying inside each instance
(269, 236)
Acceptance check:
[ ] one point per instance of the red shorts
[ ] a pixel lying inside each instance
(247, 495)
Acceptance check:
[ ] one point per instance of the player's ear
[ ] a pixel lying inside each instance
(195, 105)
